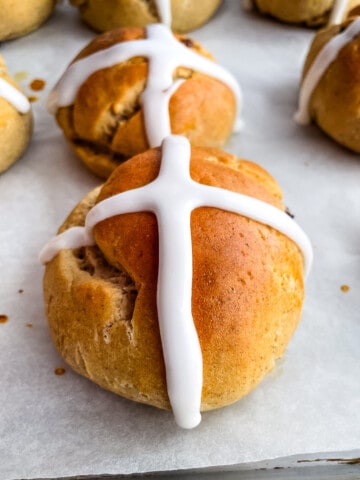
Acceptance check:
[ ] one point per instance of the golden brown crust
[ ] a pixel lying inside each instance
(310, 12)
(246, 300)
(15, 127)
(20, 17)
(105, 125)
(335, 102)
(103, 15)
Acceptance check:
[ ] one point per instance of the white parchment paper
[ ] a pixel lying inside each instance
(52, 426)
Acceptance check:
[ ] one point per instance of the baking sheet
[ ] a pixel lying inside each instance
(63, 425)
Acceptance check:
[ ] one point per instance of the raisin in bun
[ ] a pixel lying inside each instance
(310, 12)
(119, 111)
(19, 17)
(330, 90)
(247, 287)
(182, 16)
(15, 119)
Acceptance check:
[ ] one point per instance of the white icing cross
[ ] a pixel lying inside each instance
(171, 197)
(165, 55)
(14, 96)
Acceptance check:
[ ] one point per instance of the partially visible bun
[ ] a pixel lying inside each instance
(103, 15)
(334, 103)
(19, 17)
(15, 127)
(310, 12)
(246, 297)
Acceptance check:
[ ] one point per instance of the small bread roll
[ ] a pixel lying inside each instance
(19, 17)
(334, 102)
(309, 12)
(247, 288)
(103, 15)
(15, 126)
(105, 123)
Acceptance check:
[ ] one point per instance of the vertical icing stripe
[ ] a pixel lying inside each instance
(14, 96)
(324, 59)
(164, 10)
(156, 105)
(180, 342)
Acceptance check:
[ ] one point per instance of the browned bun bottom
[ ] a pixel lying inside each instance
(246, 298)
(105, 124)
